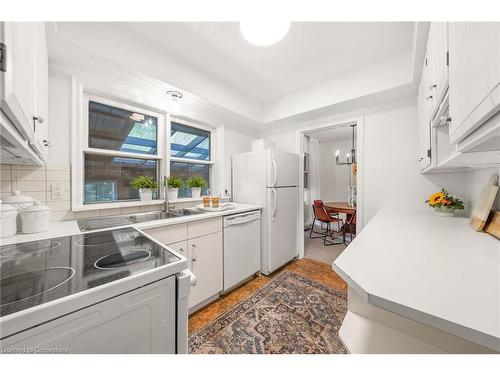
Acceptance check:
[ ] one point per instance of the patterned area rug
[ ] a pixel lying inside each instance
(291, 314)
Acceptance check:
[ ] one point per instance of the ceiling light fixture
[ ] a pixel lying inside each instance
(137, 117)
(175, 95)
(264, 33)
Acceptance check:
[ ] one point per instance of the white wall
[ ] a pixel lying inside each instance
(234, 143)
(334, 179)
(391, 175)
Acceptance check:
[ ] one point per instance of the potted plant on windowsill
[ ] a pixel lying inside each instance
(145, 185)
(444, 203)
(196, 183)
(173, 186)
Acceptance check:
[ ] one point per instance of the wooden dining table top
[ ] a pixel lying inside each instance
(342, 207)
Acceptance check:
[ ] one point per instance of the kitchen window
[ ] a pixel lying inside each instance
(118, 142)
(190, 154)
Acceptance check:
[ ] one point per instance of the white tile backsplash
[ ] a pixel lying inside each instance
(36, 182)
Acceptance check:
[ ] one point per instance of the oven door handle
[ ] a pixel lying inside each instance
(192, 277)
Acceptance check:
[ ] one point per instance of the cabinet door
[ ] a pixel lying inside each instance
(18, 83)
(424, 108)
(205, 261)
(438, 62)
(180, 247)
(41, 110)
(474, 72)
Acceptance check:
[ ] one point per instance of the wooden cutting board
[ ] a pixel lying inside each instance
(483, 206)
(493, 225)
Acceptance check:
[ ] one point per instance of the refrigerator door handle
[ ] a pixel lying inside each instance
(274, 203)
(273, 162)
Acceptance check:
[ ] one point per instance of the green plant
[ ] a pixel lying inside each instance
(196, 182)
(143, 182)
(174, 183)
(444, 199)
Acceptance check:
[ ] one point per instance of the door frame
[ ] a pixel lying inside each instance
(300, 133)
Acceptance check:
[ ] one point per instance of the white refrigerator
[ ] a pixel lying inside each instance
(270, 178)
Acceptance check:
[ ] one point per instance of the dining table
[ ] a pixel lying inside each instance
(341, 207)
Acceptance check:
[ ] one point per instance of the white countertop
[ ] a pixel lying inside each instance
(435, 270)
(70, 227)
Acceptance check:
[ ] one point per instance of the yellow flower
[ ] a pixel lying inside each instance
(436, 198)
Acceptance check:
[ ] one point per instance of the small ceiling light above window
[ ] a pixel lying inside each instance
(137, 117)
(264, 33)
(175, 95)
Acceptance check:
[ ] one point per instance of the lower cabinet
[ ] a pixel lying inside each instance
(140, 321)
(201, 243)
(205, 261)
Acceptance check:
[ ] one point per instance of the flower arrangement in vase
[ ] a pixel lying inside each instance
(145, 185)
(444, 203)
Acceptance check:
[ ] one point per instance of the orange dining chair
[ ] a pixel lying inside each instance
(332, 213)
(321, 215)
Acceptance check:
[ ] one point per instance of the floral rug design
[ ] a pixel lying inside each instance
(291, 314)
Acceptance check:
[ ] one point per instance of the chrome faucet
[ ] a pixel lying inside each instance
(166, 205)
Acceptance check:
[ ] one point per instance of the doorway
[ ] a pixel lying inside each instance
(332, 174)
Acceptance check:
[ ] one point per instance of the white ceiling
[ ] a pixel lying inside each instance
(310, 53)
(333, 135)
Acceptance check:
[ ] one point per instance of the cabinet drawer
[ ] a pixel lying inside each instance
(180, 247)
(169, 234)
(203, 227)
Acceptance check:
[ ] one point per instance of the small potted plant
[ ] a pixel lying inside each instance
(145, 185)
(444, 203)
(196, 183)
(173, 186)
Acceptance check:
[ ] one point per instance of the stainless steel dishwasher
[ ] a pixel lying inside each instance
(241, 247)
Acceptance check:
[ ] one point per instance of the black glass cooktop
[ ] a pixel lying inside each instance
(37, 272)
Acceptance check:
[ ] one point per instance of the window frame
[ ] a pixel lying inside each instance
(193, 124)
(80, 143)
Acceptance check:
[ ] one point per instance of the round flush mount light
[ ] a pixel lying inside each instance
(175, 95)
(264, 33)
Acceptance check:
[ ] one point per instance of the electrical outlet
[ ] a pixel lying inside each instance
(56, 191)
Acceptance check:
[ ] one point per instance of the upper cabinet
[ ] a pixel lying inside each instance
(474, 76)
(459, 97)
(431, 93)
(437, 63)
(24, 88)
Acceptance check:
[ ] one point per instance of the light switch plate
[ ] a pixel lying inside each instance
(56, 191)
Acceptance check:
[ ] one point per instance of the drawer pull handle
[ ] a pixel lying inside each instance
(194, 253)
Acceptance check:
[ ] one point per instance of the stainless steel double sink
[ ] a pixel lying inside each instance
(116, 221)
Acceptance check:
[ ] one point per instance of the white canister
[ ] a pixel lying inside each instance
(8, 215)
(19, 201)
(35, 219)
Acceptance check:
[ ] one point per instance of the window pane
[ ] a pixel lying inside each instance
(187, 170)
(112, 128)
(107, 178)
(188, 142)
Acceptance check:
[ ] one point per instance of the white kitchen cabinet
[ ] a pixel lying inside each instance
(437, 60)
(140, 321)
(205, 261)
(200, 241)
(180, 247)
(474, 75)
(24, 84)
(424, 129)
